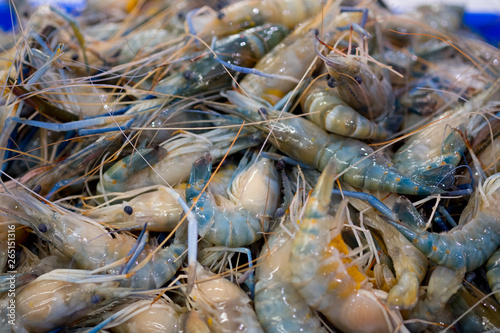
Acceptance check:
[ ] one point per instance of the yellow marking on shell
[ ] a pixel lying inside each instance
(124, 165)
(356, 275)
(339, 244)
(313, 139)
(434, 248)
(448, 251)
(389, 165)
(269, 93)
(210, 321)
(398, 179)
(130, 5)
(114, 181)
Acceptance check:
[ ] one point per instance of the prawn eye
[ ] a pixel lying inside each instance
(358, 79)
(37, 189)
(263, 111)
(332, 83)
(220, 15)
(280, 212)
(42, 227)
(188, 75)
(129, 210)
(95, 299)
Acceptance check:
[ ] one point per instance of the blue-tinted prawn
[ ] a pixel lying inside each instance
(240, 218)
(326, 275)
(473, 241)
(304, 141)
(279, 306)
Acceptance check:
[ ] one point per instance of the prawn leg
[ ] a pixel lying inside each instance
(359, 28)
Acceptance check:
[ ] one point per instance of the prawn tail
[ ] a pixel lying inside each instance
(203, 207)
(404, 295)
(200, 174)
(319, 202)
(442, 177)
(436, 247)
(408, 215)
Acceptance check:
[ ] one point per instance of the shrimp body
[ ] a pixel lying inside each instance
(279, 306)
(242, 49)
(248, 13)
(241, 219)
(323, 271)
(326, 109)
(367, 92)
(304, 141)
(429, 148)
(175, 167)
(473, 241)
(223, 305)
(90, 246)
(145, 316)
(46, 304)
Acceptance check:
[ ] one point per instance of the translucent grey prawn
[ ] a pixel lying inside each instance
(242, 49)
(279, 306)
(433, 148)
(90, 246)
(304, 141)
(240, 218)
(181, 151)
(473, 241)
(324, 273)
(61, 297)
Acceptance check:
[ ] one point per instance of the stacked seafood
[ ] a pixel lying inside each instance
(253, 166)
